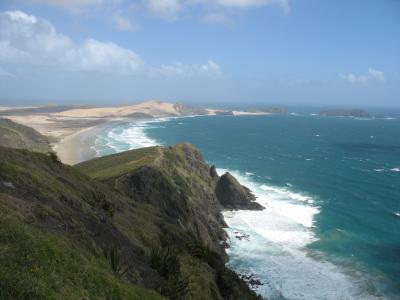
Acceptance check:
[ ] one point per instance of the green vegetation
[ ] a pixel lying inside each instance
(22, 137)
(39, 265)
(143, 224)
(115, 165)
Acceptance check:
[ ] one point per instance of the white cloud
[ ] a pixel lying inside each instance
(178, 69)
(217, 18)
(26, 39)
(165, 9)
(72, 5)
(284, 4)
(29, 40)
(376, 74)
(123, 24)
(372, 74)
(209, 11)
(216, 11)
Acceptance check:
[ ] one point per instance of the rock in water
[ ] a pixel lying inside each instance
(232, 195)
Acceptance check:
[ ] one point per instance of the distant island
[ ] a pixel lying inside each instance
(340, 112)
(269, 110)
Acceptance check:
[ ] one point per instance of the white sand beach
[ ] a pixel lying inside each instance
(73, 131)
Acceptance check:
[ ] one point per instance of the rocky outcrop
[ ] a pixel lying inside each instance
(232, 195)
(224, 113)
(180, 185)
(149, 184)
(213, 172)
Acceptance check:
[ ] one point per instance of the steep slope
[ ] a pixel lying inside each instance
(231, 194)
(174, 179)
(22, 137)
(64, 235)
(59, 238)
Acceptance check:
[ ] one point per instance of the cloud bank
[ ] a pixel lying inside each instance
(216, 11)
(72, 5)
(29, 40)
(179, 69)
(26, 39)
(372, 74)
(209, 11)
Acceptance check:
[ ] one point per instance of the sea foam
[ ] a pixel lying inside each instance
(276, 251)
(125, 136)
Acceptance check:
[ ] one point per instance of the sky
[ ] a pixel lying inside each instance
(275, 52)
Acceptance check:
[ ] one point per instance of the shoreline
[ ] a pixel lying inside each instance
(72, 130)
(351, 281)
(77, 147)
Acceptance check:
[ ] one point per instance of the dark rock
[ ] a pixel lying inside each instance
(251, 280)
(213, 172)
(8, 184)
(224, 113)
(242, 236)
(232, 195)
(149, 184)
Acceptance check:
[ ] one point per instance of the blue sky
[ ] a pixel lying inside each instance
(223, 51)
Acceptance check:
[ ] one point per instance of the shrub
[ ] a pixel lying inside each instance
(166, 261)
(116, 261)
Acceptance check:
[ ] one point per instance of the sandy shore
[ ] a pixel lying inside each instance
(72, 130)
(77, 147)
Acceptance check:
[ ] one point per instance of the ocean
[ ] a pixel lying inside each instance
(331, 188)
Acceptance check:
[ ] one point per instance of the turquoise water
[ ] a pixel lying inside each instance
(331, 188)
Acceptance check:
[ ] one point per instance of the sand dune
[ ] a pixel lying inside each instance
(69, 121)
(154, 108)
(72, 128)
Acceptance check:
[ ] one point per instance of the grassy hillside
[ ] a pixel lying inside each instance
(65, 235)
(115, 165)
(56, 228)
(22, 137)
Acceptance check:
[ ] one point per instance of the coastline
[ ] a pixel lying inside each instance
(284, 231)
(283, 202)
(72, 130)
(77, 147)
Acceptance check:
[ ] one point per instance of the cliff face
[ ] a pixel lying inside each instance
(179, 184)
(232, 195)
(143, 224)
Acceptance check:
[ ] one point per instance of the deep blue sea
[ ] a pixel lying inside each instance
(331, 188)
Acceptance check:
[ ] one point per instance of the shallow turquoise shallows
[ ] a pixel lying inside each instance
(331, 188)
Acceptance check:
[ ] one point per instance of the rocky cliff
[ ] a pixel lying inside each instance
(142, 224)
(232, 195)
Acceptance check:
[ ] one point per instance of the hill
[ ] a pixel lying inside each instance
(19, 136)
(143, 224)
